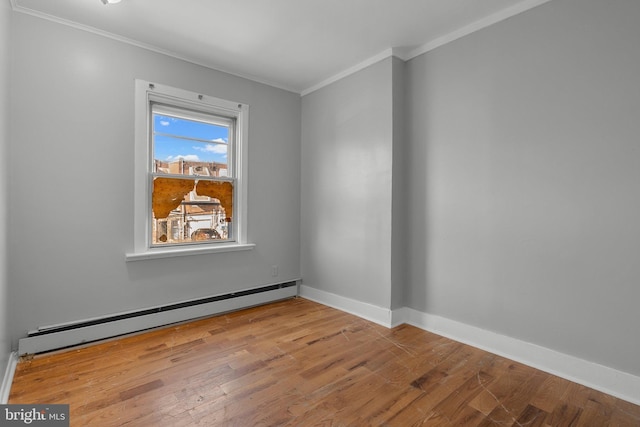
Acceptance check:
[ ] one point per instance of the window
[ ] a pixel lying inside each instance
(191, 157)
(193, 177)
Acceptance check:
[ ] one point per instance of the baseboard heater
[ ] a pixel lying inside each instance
(69, 334)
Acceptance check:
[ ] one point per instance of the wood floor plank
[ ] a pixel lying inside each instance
(625, 414)
(299, 363)
(549, 393)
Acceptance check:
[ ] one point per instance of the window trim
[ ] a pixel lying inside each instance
(145, 93)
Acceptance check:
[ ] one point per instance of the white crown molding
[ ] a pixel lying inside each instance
(145, 46)
(351, 70)
(404, 53)
(472, 28)
(407, 53)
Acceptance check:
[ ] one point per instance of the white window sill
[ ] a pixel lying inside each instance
(182, 251)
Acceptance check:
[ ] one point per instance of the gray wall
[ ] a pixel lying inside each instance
(71, 174)
(524, 164)
(5, 14)
(347, 148)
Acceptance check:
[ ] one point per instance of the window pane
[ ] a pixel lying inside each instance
(181, 214)
(189, 147)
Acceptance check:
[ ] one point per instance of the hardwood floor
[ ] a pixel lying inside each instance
(299, 363)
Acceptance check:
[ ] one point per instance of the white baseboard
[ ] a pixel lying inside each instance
(5, 387)
(611, 381)
(602, 378)
(379, 315)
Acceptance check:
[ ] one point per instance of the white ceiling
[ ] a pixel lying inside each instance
(292, 44)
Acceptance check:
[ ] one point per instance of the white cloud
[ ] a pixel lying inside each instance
(223, 140)
(212, 148)
(188, 157)
(164, 123)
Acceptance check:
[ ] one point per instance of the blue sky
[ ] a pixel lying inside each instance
(168, 146)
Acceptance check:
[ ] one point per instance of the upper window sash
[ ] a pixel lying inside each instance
(207, 133)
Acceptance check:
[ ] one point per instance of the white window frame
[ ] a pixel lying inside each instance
(145, 94)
